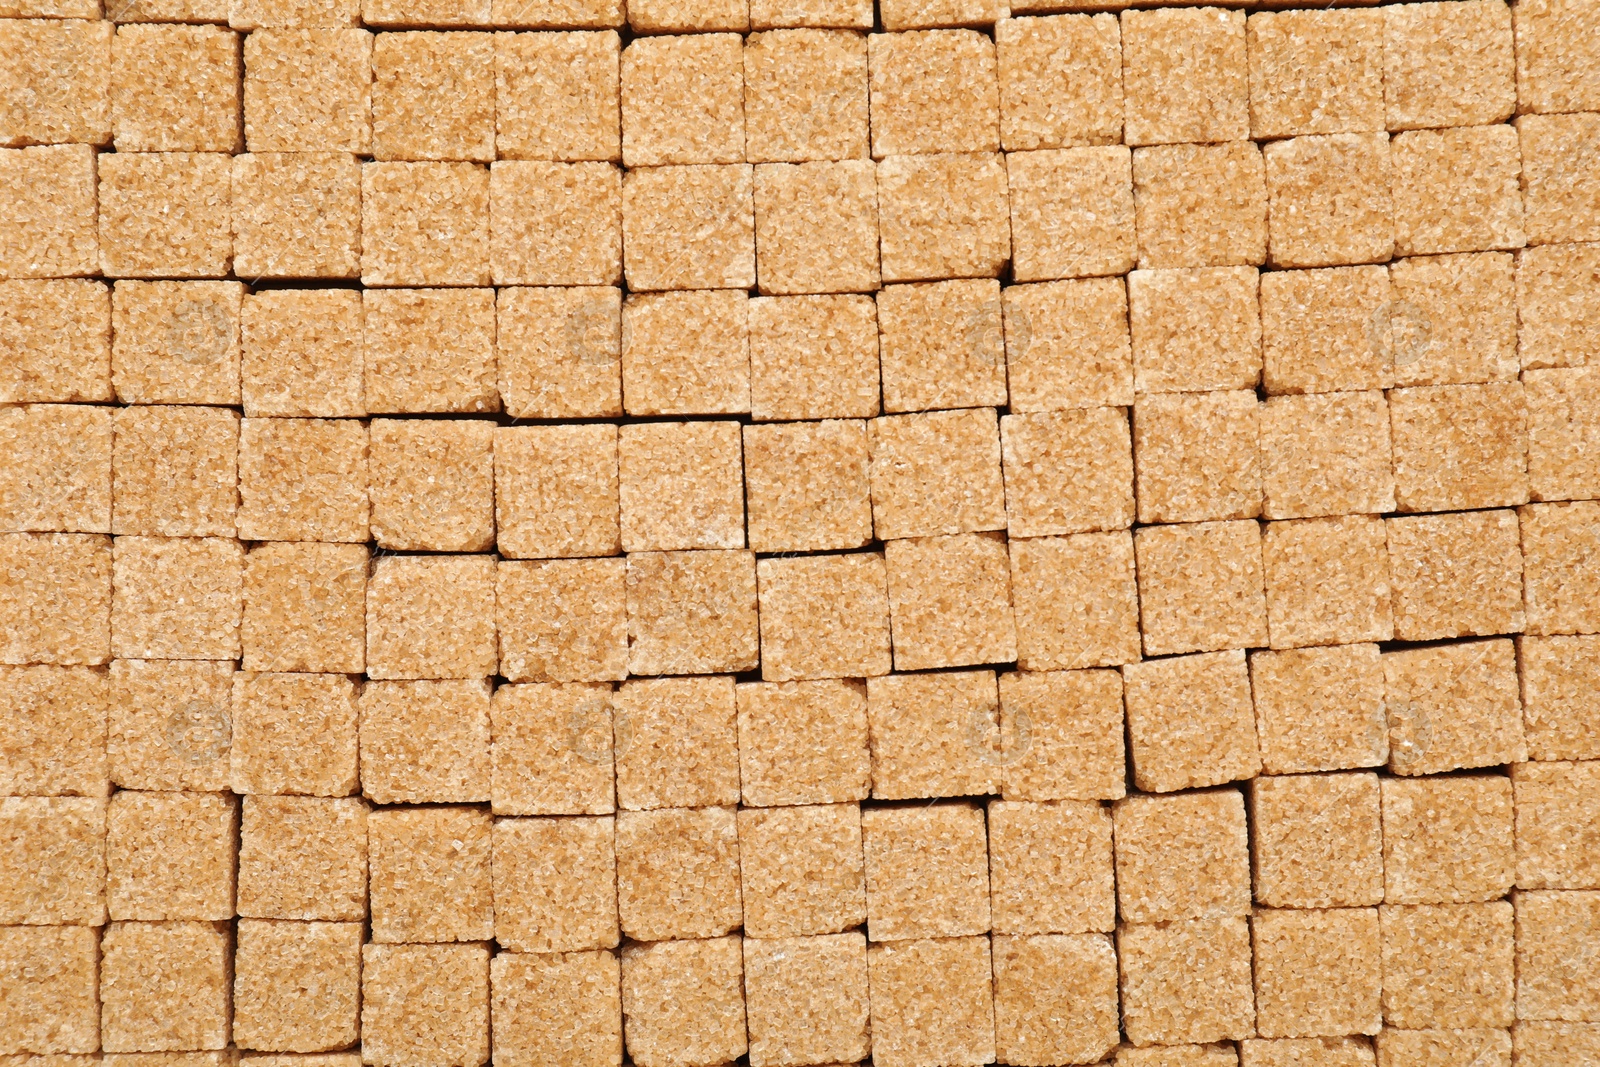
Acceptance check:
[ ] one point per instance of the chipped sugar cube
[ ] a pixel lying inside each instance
(273, 967)
(431, 617)
(171, 855)
(684, 1001)
(689, 227)
(165, 214)
(1200, 205)
(816, 227)
(561, 1006)
(176, 89)
(53, 731)
(1448, 64)
(301, 353)
(1186, 981)
(1447, 840)
(304, 608)
(686, 353)
(430, 874)
(1318, 840)
(1326, 454)
(552, 749)
(1198, 456)
(425, 742)
(175, 471)
(1320, 709)
(562, 620)
(557, 96)
(555, 884)
(164, 986)
(943, 216)
(802, 742)
(425, 1004)
(1317, 973)
(660, 851)
(806, 997)
(55, 860)
(1315, 72)
(1039, 59)
(294, 734)
(677, 743)
(932, 1001)
(1050, 867)
(1453, 706)
(1184, 856)
(1456, 575)
(303, 858)
(1200, 587)
(1184, 76)
(558, 352)
(1447, 966)
(149, 622)
(1190, 721)
(57, 475)
(805, 93)
(303, 480)
(955, 67)
(170, 724)
(1327, 581)
(432, 484)
(930, 734)
(1456, 190)
(1060, 736)
(801, 870)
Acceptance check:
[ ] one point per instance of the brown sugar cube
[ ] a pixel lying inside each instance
(1180, 1056)
(175, 89)
(1190, 721)
(816, 227)
(1186, 981)
(954, 67)
(52, 230)
(925, 14)
(1454, 320)
(169, 724)
(1318, 840)
(1327, 581)
(1555, 1044)
(1050, 867)
(1459, 446)
(802, 742)
(295, 734)
(1447, 840)
(843, 14)
(1556, 60)
(684, 1002)
(1326, 454)
(1447, 966)
(562, 620)
(686, 353)
(1184, 76)
(425, 742)
(1317, 973)
(57, 602)
(824, 617)
(433, 96)
(675, 16)
(813, 357)
(1096, 627)
(1055, 997)
(174, 471)
(1556, 302)
(553, 749)
(942, 345)
(1327, 330)
(1067, 730)
(564, 1007)
(801, 870)
(171, 855)
(1563, 413)
(425, 1004)
(671, 595)
(308, 90)
(1456, 575)
(427, 13)
(431, 617)
(680, 486)
(303, 480)
(1200, 205)
(1195, 330)
(304, 608)
(558, 14)
(176, 342)
(148, 621)
(1197, 455)
(304, 858)
(558, 352)
(1558, 540)
(1320, 709)
(164, 986)
(1067, 345)
(677, 743)
(555, 223)
(296, 215)
(58, 337)
(658, 853)
(425, 224)
(432, 484)
(690, 227)
(54, 861)
(1184, 856)
(1559, 676)
(293, 14)
(430, 874)
(1060, 81)
(430, 350)
(165, 213)
(829, 507)
(805, 95)
(169, 11)
(927, 871)
(53, 1004)
(1329, 200)
(301, 353)
(1560, 192)
(807, 998)
(1558, 935)
(1453, 706)
(943, 216)
(53, 731)
(936, 473)
(557, 96)
(1448, 65)
(1456, 190)
(1556, 805)
(555, 884)
(683, 100)
(63, 70)
(929, 733)
(1200, 587)
(274, 966)
(1072, 212)
(1315, 72)
(57, 469)
(932, 630)
(932, 1001)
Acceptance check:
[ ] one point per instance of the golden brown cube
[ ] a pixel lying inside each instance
(557, 96)
(1557, 935)
(553, 746)
(276, 964)
(1050, 867)
(562, 620)
(176, 342)
(805, 94)
(802, 742)
(1455, 575)
(1558, 585)
(1060, 736)
(1329, 201)
(53, 230)
(932, 1001)
(56, 1006)
(165, 214)
(430, 874)
(807, 997)
(942, 345)
(425, 741)
(559, 351)
(1055, 998)
(1072, 212)
(909, 70)
(658, 853)
(424, 224)
(169, 724)
(683, 100)
(1460, 446)
(555, 223)
(58, 72)
(1067, 472)
(58, 334)
(55, 860)
(1555, 810)
(1200, 587)
(1195, 330)
(684, 1001)
(433, 96)
(1198, 456)
(680, 486)
(425, 1004)
(1186, 981)
(1555, 304)
(813, 357)
(1456, 190)
(303, 480)
(1447, 840)
(1190, 721)
(149, 622)
(431, 617)
(304, 858)
(1559, 675)
(175, 471)
(1067, 345)
(1453, 706)
(57, 607)
(1317, 972)
(686, 353)
(305, 607)
(806, 486)
(1320, 709)
(677, 743)
(816, 227)
(432, 484)
(301, 353)
(689, 227)
(297, 215)
(1557, 177)
(1038, 59)
(53, 731)
(1184, 76)
(1447, 966)
(801, 870)
(1200, 205)
(1454, 320)
(927, 872)
(1563, 411)
(824, 617)
(1184, 856)
(57, 472)
(1328, 330)
(1318, 840)
(1326, 454)
(671, 595)
(308, 90)
(555, 884)
(562, 1006)
(943, 216)
(1448, 65)
(930, 734)
(1327, 581)
(175, 89)
(936, 473)
(171, 855)
(932, 627)
(164, 986)
(1315, 72)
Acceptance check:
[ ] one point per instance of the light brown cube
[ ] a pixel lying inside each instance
(802, 742)
(927, 872)
(56, 1004)
(806, 486)
(1559, 675)
(1329, 200)
(562, 1006)
(943, 216)
(432, 484)
(1190, 722)
(805, 93)
(1318, 840)
(932, 628)
(1563, 413)
(165, 214)
(301, 353)
(1060, 736)
(1326, 454)
(686, 353)
(801, 870)
(1556, 305)
(55, 860)
(1317, 973)
(1455, 575)
(1197, 456)
(1050, 868)
(555, 223)
(176, 342)
(175, 89)
(1555, 808)
(425, 224)
(1320, 709)
(296, 215)
(689, 227)
(305, 608)
(308, 90)
(1554, 1044)
(816, 227)
(274, 967)
(1454, 320)
(562, 620)
(824, 617)
(1195, 330)
(557, 96)
(58, 334)
(1557, 936)
(425, 1004)
(1327, 581)
(658, 853)
(930, 734)
(1060, 81)
(1328, 330)
(430, 874)
(1067, 345)
(922, 14)
(684, 1001)
(807, 997)
(164, 986)
(680, 486)
(932, 1001)
(1447, 65)
(425, 742)
(433, 96)
(1200, 205)
(677, 743)
(1055, 997)
(175, 471)
(1072, 212)
(1184, 76)
(1557, 178)
(57, 471)
(53, 231)
(847, 14)
(1460, 446)
(813, 357)
(1315, 72)
(304, 858)
(1185, 856)
(53, 731)
(1447, 840)
(1558, 584)
(956, 67)
(936, 473)
(293, 14)
(61, 69)
(171, 855)
(553, 748)
(427, 13)
(1555, 60)
(57, 607)
(1053, 634)
(1186, 981)
(431, 617)
(555, 884)
(683, 100)
(559, 352)
(942, 345)
(149, 622)
(169, 725)
(547, 14)
(1447, 966)
(303, 480)
(1456, 190)
(1200, 587)
(1453, 706)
